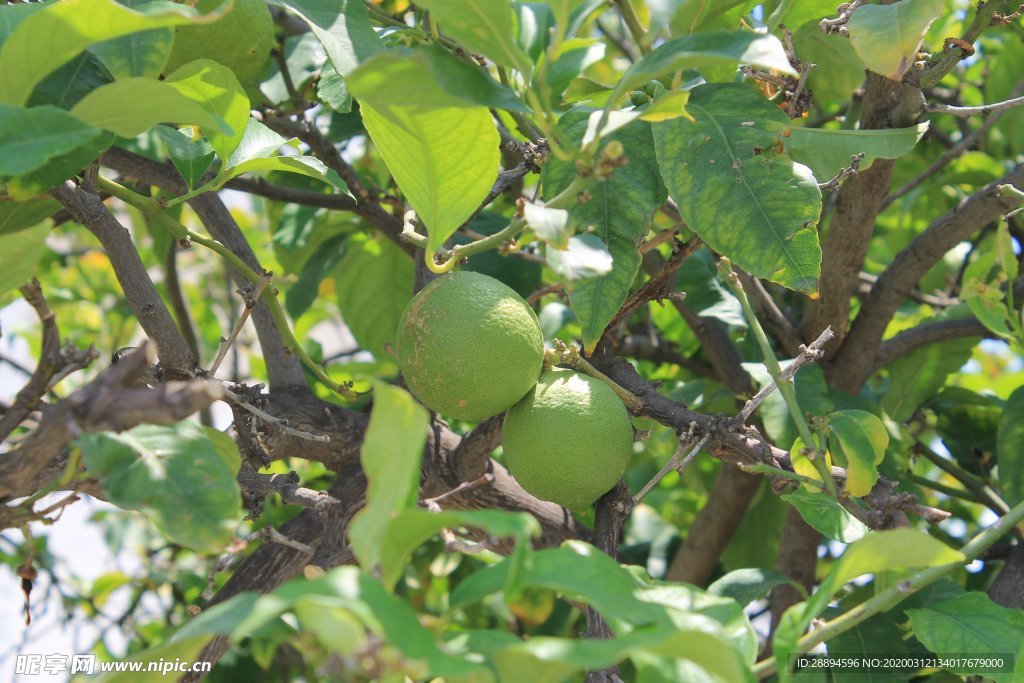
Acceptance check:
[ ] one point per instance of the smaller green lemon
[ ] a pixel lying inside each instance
(240, 40)
(568, 441)
(469, 346)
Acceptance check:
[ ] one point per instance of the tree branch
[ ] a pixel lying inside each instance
(923, 335)
(149, 309)
(856, 359)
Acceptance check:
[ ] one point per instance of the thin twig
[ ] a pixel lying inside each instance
(550, 289)
(984, 110)
(808, 354)
(278, 422)
(844, 173)
(251, 297)
(434, 504)
(678, 462)
(838, 25)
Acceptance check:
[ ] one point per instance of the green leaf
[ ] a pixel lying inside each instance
(482, 26)
(377, 264)
(983, 293)
(748, 203)
(427, 77)
(971, 625)
(132, 105)
(319, 265)
(749, 584)
(413, 527)
(917, 376)
(19, 255)
(802, 12)
(586, 256)
(71, 82)
(707, 49)
(887, 37)
(191, 157)
(839, 70)
(619, 212)
(879, 551)
(390, 455)
(867, 639)
(332, 91)
(827, 150)
(258, 150)
(1010, 448)
(444, 160)
(335, 627)
(574, 56)
(15, 216)
(862, 439)
(29, 138)
(138, 54)
(689, 16)
(55, 35)
(153, 468)
(824, 513)
(343, 28)
(214, 87)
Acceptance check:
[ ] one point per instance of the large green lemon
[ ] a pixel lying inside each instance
(568, 441)
(241, 40)
(468, 346)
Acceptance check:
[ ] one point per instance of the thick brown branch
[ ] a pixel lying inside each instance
(150, 310)
(283, 368)
(108, 403)
(855, 361)
(932, 333)
(887, 104)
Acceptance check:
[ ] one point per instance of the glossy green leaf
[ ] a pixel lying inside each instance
(15, 216)
(585, 256)
(1010, 449)
(972, 625)
(799, 13)
(191, 157)
(336, 627)
(12, 15)
(66, 86)
(380, 265)
(826, 151)
(862, 439)
(343, 28)
(707, 49)
(304, 58)
(55, 35)
(482, 26)
(60, 167)
(427, 77)
(747, 585)
(258, 150)
(19, 256)
(444, 160)
(29, 138)
(619, 213)
(824, 513)
(983, 293)
(149, 469)
(573, 58)
(747, 202)
(214, 87)
(390, 455)
(917, 376)
(132, 105)
(413, 527)
(887, 37)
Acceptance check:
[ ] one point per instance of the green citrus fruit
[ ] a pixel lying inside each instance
(568, 441)
(241, 40)
(468, 346)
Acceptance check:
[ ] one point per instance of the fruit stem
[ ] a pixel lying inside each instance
(569, 357)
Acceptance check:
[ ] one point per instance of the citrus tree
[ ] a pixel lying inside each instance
(751, 307)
